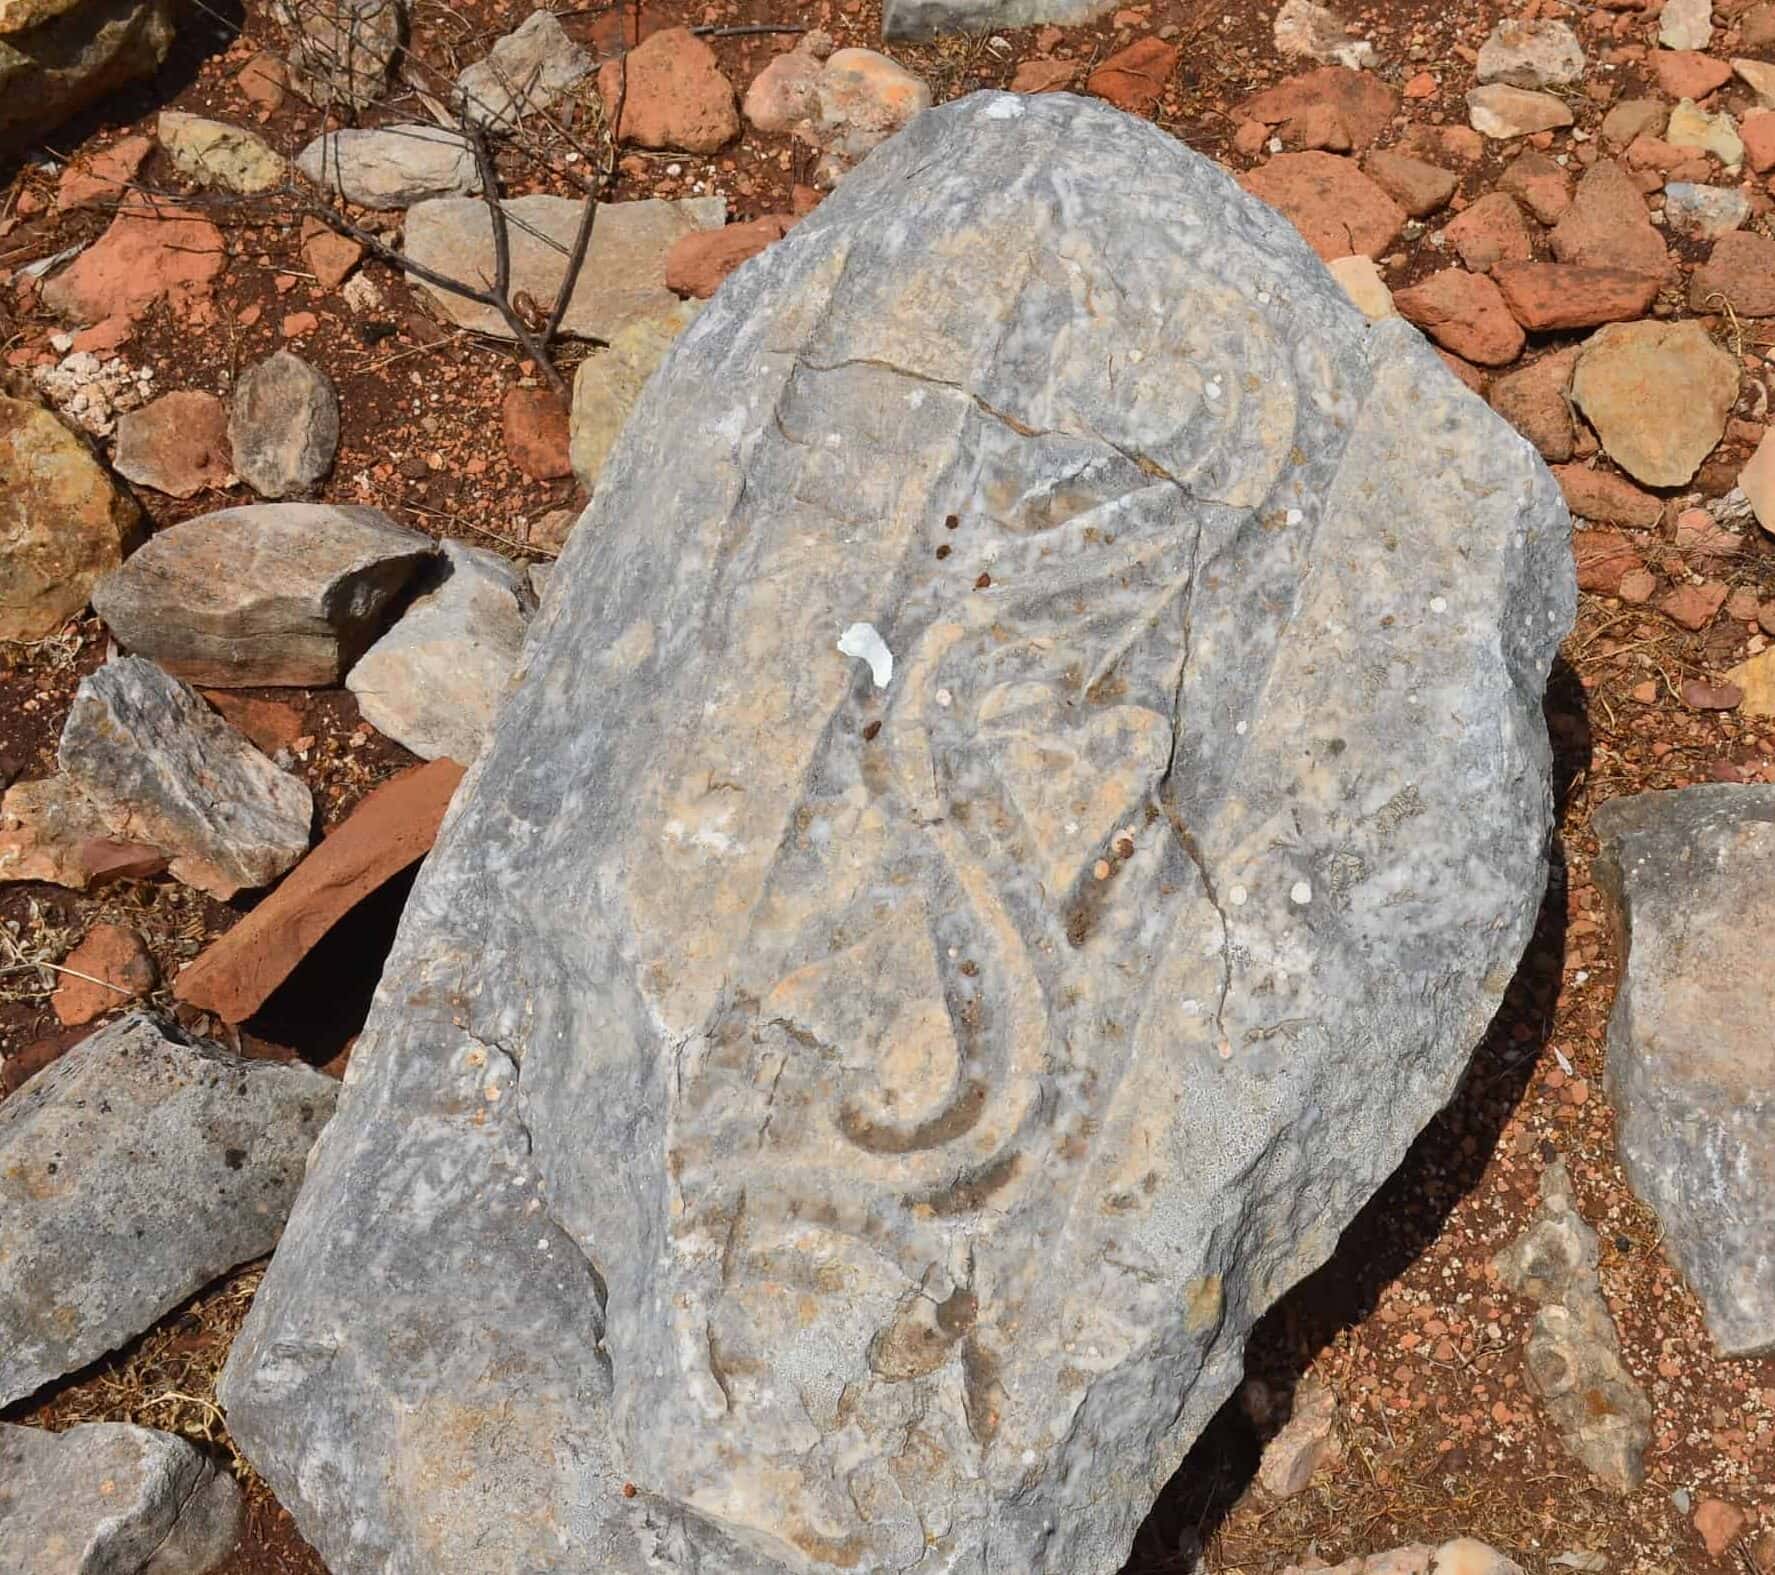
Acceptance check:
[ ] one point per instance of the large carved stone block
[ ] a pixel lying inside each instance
(819, 1117)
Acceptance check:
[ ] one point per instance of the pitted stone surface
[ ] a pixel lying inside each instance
(869, 1120)
(1691, 1071)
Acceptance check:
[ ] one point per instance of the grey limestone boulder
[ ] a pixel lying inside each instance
(162, 769)
(434, 682)
(863, 1105)
(268, 594)
(106, 1498)
(1691, 1059)
(133, 1171)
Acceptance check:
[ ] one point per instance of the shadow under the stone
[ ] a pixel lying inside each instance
(1398, 1224)
(323, 1005)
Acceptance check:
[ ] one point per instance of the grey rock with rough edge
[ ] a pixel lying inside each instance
(283, 422)
(341, 51)
(623, 279)
(272, 593)
(392, 166)
(930, 18)
(133, 1171)
(108, 1498)
(1691, 1061)
(1573, 1352)
(798, 1108)
(526, 71)
(162, 769)
(434, 682)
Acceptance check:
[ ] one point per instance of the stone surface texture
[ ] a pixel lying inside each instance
(1691, 1064)
(392, 166)
(283, 422)
(610, 380)
(623, 279)
(266, 594)
(214, 153)
(1573, 1354)
(1658, 395)
(51, 831)
(434, 682)
(63, 521)
(794, 1147)
(177, 445)
(164, 770)
(134, 1170)
(107, 1498)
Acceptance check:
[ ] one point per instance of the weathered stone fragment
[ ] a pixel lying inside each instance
(392, 166)
(342, 50)
(272, 593)
(134, 1170)
(1658, 395)
(283, 422)
(608, 383)
(434, 682)
(163, 769)
(526, 71)
(1691, 1072)
(214, 153)
(106, 1498)
(914, 19)
(389, 831)
(1573, 1355)
(757, 1095)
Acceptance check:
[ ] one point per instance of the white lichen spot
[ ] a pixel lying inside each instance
(944, 697)
(1294, 516)
(1300, 893)
(1237, 896)
(1006, 106)
(1438, 604)
(862, 642)
(1242, 728)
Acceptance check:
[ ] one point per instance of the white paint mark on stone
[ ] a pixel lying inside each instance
(1300, 893)
(1294, 516)
(1438, 604)
(1237, 896)
(862, 642)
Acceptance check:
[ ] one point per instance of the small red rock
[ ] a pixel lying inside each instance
(1423, 85)
(1415, 184)
(1464, 313)
(1491, 231)
(271, 725)
(699, 261)
(152, 251)
(1134, 78)
(264, 82)
(1333, 204)
(1333, 108)
(1044, 76)
(1693, 606)
(104, 177)
(1700, 696)
(329, 255)
(1740, 273)
(177, 445)
(1701, 536)
(536, 433)
(1683, 73)
(674, 95)
(1540, 185)
(1604, 559)
(117, 969)
(296, 324)
(101, 338)
(1547, 296)
(1638, 587)
(1601, 495)
(1757, 132)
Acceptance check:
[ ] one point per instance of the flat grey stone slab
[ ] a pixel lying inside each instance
(1691, 1058)
(915, 19)
(133, 1171)
(865, 1104)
